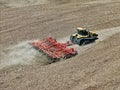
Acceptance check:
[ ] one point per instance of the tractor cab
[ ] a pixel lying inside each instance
(82, 31)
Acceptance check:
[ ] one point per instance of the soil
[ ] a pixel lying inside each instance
(97, 65)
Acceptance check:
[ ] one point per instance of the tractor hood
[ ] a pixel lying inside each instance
(92, 32)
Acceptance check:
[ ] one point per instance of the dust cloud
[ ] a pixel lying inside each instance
(22, 53)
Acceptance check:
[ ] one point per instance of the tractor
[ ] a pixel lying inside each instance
(83, 36)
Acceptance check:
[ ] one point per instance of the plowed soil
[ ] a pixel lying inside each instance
(97, 65)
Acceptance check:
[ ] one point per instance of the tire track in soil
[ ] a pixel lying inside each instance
(23, 53)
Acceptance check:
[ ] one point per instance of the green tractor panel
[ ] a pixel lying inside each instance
(83, 36)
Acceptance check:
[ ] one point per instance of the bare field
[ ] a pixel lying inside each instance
(97, 67)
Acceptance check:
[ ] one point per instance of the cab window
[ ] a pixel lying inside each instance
(82, 32)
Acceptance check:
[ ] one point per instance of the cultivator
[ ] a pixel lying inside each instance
(54, 50)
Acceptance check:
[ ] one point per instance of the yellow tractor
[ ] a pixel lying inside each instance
(83, 36)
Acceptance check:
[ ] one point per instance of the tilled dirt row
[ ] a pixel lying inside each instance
(95, 68)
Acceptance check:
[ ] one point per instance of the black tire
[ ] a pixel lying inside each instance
(72, 38)
(76, 54)
(67, 56)
(80, 42)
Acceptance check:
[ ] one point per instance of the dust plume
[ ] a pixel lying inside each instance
(22, 53)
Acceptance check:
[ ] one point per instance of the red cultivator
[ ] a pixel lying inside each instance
(53, 49)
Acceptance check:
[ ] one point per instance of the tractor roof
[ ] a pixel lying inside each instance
(81, 28)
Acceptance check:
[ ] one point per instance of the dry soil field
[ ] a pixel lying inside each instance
(96, 67)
